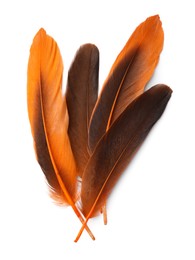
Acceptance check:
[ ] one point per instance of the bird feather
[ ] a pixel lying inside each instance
(128, 76)
(81, 96)
(117, 147)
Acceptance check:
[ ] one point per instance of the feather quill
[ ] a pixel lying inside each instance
(128, 76)
(48, 118)
(116, 148)
(81, 96)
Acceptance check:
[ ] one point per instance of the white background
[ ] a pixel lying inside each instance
(151, 213)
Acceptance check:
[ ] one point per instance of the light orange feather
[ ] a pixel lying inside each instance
(47, 106)
(48, 117)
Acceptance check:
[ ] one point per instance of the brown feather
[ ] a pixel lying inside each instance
(116, 148)
(48, 116)
(81, 96)
(128, 76)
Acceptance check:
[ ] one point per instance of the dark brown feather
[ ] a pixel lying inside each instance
(116, 148)
(128, 76)
(81, 96)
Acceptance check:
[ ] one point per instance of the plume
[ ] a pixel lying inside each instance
(116, 148)
(81, 96)
(128, 76)
(48, 117)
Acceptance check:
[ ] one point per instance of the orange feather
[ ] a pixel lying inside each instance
(128, 76)
(48, 117)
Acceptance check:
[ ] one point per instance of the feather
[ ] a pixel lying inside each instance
(116, 148)
(48, 114)
(48, 118)
(128, 76)
(81, 96)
